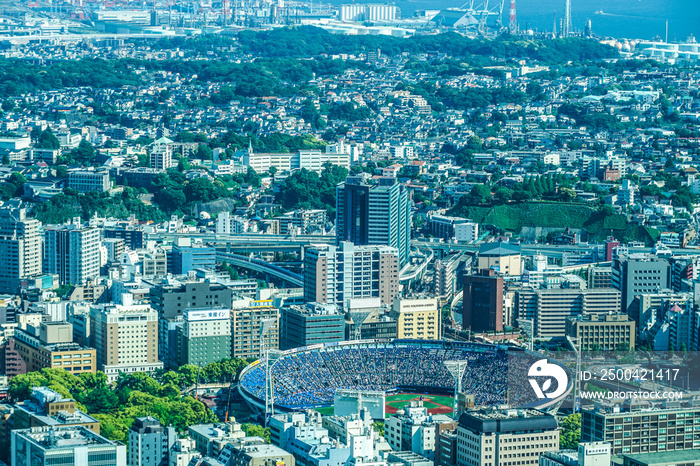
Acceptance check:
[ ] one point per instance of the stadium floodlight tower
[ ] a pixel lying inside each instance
(359, 316)
(273, 356)
(457, 370)
(575, 343)
(528, 326)
(265, 327)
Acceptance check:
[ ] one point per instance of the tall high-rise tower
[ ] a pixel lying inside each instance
(374, 214)
(513, 25)
(73, 252)
(567, 19)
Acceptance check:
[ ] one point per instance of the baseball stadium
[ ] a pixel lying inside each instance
(308, 377)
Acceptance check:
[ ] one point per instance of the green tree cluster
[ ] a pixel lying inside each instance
(173, 193)
(311, 115)
(70, 203)
(254, 430)
(133, 395)
(591, 120)
(570, 433)
(47, 140)
(476, 97)
(307, 41)
(259, 78)
(465, 156)
(349, 111)
(24, 77)
(305, 189)
(84, 154)
(13, 186)
(276, 142)
(552, 187)
(232, 272)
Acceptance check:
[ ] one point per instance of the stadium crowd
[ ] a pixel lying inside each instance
(307, 379)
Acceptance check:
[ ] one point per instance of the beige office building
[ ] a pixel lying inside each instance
(52, 347)
(126, 338)
(417, 318)
(604, 332)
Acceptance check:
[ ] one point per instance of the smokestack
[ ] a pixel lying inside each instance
(513, 18)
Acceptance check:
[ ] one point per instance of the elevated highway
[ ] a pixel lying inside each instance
(253, 243)
(293, 279)
(414, 272)
(530, 249)
(250, 243)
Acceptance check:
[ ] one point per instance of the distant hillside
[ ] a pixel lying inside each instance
(598, 224)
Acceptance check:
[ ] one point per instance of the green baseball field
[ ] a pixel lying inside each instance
(436, 404)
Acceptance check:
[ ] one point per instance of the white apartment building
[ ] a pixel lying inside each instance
(354, 151)
(162, 156)
(227, 224)
(335, 274)
(312, 160)
(20, 246)
(150, 442)
(64, 445)
(694, 183)
(551, 158)
(413, 429)
(466, 232)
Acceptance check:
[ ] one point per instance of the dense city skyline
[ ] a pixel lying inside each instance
(349, 234)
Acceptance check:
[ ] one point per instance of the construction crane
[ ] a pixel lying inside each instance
(228, 399)
(196, 385)
(482, 10)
